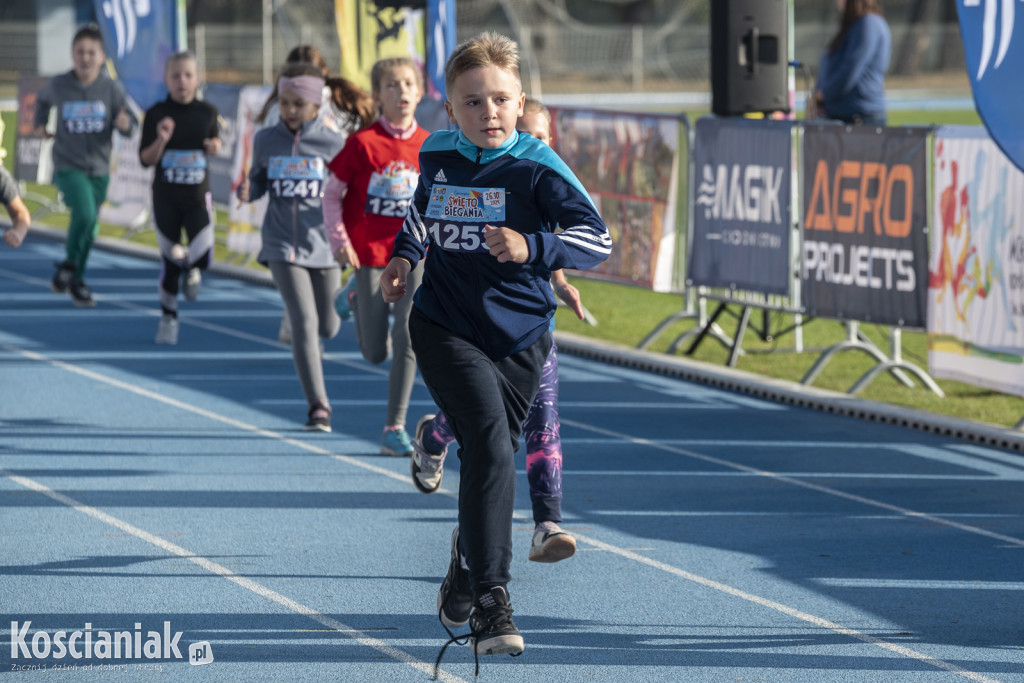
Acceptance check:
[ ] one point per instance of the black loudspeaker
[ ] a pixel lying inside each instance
(749, 56)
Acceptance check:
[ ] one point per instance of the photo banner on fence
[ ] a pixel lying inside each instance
(865, 246)
(32, 160)
(976, 271)
(629, 164)
(741, 214)
(245, 220)
(130, 193)
(225, 98)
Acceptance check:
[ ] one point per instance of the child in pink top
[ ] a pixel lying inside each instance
(365, 202)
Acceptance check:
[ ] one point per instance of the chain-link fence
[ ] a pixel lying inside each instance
(561, 53)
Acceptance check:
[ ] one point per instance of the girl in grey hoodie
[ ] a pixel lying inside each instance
(289, 163)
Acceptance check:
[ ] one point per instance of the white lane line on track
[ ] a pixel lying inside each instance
(797, 482)
(209, 565)
(220, 570)
(622, 552)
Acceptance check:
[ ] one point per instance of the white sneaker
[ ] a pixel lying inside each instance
(167, 330)
(551, 543)
(284, 333)
(193, 278)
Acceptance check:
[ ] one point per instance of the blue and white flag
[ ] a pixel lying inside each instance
(138, 36)
(440, 42)
(994, 50)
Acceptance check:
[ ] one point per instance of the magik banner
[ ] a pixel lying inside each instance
(865, 247)
(976, 273)
(741, 214)
(629, 164)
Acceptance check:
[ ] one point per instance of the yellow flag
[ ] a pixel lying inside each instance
(367, 33)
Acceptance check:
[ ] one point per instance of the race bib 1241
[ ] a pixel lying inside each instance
(296, 177)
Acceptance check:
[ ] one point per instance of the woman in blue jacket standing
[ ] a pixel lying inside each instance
(851, 76)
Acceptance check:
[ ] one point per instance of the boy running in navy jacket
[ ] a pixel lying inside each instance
(487, 202)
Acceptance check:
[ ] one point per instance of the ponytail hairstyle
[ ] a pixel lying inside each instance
(345, 95)
(300, 54)
(853, 11)
(353, 100)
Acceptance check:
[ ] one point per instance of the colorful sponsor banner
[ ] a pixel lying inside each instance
(865, 247)
(741, 216)
(630, 164)
(368, 31)
(976, 271)
(994, 53)
(246, 219)
(225, 98)
(138, 37)
(32, 160)
(130, 193)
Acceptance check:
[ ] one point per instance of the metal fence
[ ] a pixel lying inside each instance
(635, 58)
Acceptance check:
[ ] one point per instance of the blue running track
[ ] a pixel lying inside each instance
(722, 537)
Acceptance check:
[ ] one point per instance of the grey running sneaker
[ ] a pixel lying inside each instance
(62, 278)
(193, 279)
(491, 625)
(455, 597)
(81, 295)
(551, 543)
(427, 468)
(167, 330)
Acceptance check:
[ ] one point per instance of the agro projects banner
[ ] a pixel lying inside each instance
(865, 247)
(741, 217)
(976, 273)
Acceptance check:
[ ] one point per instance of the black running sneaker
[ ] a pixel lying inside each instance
(319, 418)
(492, 630)
(81, 295)
(62, 278)
(455, 597)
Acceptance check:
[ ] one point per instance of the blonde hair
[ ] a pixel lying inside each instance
(486, 49)
(182, 56)
(535, 106)
(382, 66)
